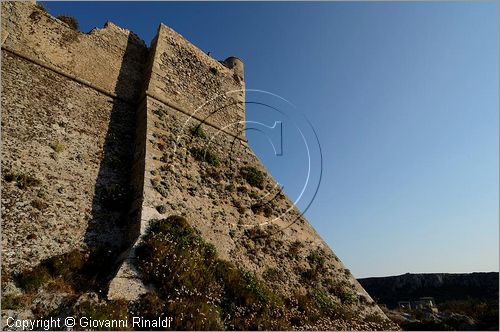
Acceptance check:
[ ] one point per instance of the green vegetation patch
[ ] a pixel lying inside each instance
(205, 155)
(316, 261)
(57, 146)
(214, 70)
(160, 113)
(66, 267)
(78, 270)
(33, 279)
(15, 302)
(214, 292)
(104, 311)
(324, 302)
(253, 176)
(264, 208)
(197, 131)
(191, 283)
(343, 291)
(160, 186)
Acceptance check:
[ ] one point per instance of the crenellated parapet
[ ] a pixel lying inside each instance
(110, 59)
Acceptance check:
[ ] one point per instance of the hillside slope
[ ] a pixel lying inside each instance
(441, 286)
(462, 301)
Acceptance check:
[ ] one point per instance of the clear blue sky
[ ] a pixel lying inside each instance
(403, 97)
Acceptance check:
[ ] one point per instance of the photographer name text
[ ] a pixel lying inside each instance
(86, 323)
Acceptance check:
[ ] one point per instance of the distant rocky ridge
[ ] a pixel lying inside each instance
(441, 286)
(464, 301)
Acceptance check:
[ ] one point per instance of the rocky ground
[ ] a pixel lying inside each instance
(463, 301)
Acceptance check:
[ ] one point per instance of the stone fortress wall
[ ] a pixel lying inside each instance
(85, 90)
(100, 58)
(68, 104)
(103, 127)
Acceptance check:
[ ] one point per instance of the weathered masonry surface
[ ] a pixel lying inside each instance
(100, 128)
(85, 91)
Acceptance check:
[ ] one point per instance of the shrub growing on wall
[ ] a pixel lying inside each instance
(253, 176)
(69, 20)
(191, 278)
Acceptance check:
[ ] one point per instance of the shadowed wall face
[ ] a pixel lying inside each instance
(56, 147)
(66, 147)
(118, 190)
